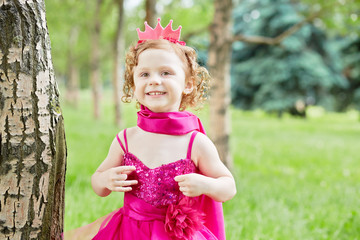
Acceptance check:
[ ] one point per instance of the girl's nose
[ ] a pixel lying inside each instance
(155, 80)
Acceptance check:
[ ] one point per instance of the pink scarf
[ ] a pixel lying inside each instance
(179, 123)
(172, 123)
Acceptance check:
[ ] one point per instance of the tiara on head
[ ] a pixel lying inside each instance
(159, 32)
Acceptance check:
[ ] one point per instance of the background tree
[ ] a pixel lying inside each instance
(277, 78)
(350, 54)
(32, 139)
(150, 9)
(337, 16)
(352, 70)
(340, 19)
(72, 83)
(95, 60)
(219, 66)
(118, 72)
(69, 26)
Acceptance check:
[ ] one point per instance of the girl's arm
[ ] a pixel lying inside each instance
(216, 182)
(111, 175)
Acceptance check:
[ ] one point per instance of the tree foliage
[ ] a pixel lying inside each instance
(302, 68)
(62, 17)
(349, 49)
(338, 16)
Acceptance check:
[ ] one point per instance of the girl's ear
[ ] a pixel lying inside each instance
(189, 86)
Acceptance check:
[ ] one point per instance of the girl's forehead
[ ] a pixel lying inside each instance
(158, 52)
(153, 57)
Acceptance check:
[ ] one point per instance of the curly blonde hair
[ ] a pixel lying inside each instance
(198, 75)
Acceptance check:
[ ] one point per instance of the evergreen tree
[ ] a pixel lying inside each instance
(302, 69)
(349, 49)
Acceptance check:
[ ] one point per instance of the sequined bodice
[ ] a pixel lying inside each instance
(157, 186)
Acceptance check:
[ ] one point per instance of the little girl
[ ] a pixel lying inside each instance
(170, 171)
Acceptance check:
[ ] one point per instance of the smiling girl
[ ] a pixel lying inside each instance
(170, 171)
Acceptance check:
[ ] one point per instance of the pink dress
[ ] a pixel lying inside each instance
(155, 208)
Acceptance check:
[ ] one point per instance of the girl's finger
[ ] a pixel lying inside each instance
(132, 182)
(181, 184)
(179, 178)
(120, 183)
(122, 169)
(121, 177)
(122, 189)
(128, 172)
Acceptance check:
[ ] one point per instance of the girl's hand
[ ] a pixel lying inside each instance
(192, 184)
(115, 179)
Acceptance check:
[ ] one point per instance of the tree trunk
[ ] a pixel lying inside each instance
(72, 85)
(150, 8)
(118, 72)
(32, 138)
(219, 67)
(95, 59)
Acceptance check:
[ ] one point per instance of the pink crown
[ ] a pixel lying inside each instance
(160, 33)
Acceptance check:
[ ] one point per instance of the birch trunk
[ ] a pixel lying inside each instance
(95, 59)
(32, 139)
(118, 73)
(219, 67)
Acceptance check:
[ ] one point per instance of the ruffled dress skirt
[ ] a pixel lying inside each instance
(140, 220)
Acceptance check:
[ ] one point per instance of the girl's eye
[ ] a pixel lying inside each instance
(166, 73)
(144, 74)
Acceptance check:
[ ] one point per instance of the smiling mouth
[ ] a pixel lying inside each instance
(155, 93)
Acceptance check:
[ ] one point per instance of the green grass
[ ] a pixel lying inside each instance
(296, 179)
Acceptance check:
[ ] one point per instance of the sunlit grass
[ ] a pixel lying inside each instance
(296, 178)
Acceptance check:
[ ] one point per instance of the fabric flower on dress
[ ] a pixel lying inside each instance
(182, 220)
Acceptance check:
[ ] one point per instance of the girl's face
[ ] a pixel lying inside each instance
(159, 80)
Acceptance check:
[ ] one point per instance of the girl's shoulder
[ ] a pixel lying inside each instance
(132, 131)
(126, 131)
(203, 145)
(121, 136)
(203, 140)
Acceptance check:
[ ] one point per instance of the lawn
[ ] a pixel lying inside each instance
(296, 178)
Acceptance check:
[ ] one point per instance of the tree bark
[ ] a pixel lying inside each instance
(72, 85)
(32, 138)
(150, 8)
(219, 67)
(95, 59)
(118, 72)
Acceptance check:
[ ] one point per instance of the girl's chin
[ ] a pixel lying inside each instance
(159, 109)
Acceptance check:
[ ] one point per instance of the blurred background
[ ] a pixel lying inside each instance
(295, 101)
(317, 64)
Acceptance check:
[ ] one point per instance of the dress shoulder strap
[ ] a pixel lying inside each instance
(125, 149)
(188, 155)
